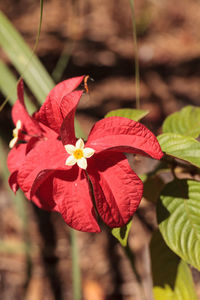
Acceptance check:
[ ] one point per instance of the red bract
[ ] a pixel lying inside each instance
(29, 130)
(60, 173)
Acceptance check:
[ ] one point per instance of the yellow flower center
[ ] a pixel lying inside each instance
(78, 153)
(15, 132)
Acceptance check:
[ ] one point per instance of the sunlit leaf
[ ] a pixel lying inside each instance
(121, 233)
(172, 279)
(179, 146)
(133, 114)
(185, 122)
(178, 215)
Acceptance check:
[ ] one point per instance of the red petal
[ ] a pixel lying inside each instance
(68, 109)
(39, 180)
(46, 155)
(15, 160)
(16, 157)
(50, 114)
(72, 195)
(43, 197)
(19, 112)
(117, 189)
(13, 181)
(124, 135)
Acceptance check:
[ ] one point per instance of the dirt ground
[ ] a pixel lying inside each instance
(95, 37)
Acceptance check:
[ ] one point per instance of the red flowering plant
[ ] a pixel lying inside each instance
(28, 129)
(81, 180)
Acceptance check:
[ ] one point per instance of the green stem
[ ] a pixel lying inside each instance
(76, 276)
(137, 71)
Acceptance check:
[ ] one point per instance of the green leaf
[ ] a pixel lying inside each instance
(172, 279)
(185, 122)
(121, 233)
(133, 114)
(178, 214)
(8, 84)
(182, 147)
(24, 60)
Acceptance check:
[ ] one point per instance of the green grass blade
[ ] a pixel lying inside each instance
(27, 64)
(137, 68)
(62, 62)
(22, 57)
(8, 84)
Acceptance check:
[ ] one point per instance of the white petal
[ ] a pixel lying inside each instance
(69, 148)
(19, 124)
(88, 152)
(82, 163)
(80, 144)
(71, 160)
(13, 142)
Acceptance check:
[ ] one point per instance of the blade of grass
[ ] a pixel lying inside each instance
(137, 71)
(34, 48)
(8, 83)
(36, 75)
(24, 60)
(62, 62)
(39, 27)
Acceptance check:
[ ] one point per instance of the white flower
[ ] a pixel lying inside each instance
(78, 154)
(16, 131)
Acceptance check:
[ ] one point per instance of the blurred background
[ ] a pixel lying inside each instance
(96, 38)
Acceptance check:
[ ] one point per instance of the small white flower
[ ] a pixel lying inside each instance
(78, 154)
(16, 131)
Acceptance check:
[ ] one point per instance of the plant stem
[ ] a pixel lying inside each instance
(76, 276)
(137, 71)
